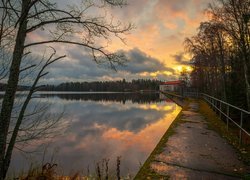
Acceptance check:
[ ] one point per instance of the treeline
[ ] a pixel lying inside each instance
(19, 88)
(139, 98)
(221, 52)
(104, 86)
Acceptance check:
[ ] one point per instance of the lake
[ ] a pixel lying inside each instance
(97, 126)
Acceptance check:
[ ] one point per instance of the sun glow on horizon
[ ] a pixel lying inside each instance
(182, 68)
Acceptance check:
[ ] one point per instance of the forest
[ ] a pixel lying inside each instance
(220, 53)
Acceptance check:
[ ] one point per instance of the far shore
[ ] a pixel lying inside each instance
(83, 92)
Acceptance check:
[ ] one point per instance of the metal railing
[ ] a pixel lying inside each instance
(223, 108)
(191, 94)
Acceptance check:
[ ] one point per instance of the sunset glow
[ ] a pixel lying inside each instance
(124, 89)
(154, 47)
(181, 68)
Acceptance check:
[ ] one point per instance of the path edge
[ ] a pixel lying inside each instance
(145, 171)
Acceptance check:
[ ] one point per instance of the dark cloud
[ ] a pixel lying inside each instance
(140, 62)
(76, 66)
(173, 5)
(79, 66)
(180, 58)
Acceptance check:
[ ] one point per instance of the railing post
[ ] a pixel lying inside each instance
(224, 110)
(241, 124)
(213, 104)
(220, 109)
(227, 115)
(210, 102)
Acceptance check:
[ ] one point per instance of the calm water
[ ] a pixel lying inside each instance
(98, 126)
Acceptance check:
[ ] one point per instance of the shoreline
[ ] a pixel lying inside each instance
(145, 169)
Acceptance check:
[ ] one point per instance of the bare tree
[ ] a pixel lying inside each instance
(232, 14)
(21, 114)
(209, 50)
(221, 52)
(24, 17)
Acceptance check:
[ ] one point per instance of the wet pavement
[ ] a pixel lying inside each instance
(196, 152)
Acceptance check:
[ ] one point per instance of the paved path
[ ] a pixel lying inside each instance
(196, 152)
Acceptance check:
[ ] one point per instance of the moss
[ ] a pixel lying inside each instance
(146, 172)
(216, 124)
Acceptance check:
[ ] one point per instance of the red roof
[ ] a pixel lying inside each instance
(172, 83)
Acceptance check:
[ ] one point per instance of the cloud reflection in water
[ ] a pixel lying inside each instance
(107, 129)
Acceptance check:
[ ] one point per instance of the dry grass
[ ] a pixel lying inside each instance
(49, 172)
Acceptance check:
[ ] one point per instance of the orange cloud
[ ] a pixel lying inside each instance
(169, 23)
(161, 27)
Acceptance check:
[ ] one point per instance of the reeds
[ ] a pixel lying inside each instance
(48, 171)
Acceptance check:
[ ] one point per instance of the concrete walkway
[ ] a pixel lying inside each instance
(196, 152)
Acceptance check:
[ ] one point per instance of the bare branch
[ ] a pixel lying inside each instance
(24, 106)
(26, 68)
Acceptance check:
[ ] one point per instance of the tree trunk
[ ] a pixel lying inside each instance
(246, 76)
(244, 51)
(9, 97)
(11, 145)
(223, 66)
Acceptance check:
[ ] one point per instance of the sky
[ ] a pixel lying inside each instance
(154, 48)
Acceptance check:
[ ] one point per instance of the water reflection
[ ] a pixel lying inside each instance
(103, 127)
(140, 98)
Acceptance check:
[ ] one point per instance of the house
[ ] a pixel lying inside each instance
(173, 86)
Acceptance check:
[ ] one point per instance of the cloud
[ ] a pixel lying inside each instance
(180, 58)
(161, 27)
(140, 62)
(78, 66)
(108, 117)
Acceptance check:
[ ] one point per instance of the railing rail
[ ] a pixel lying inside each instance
(217, 104)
